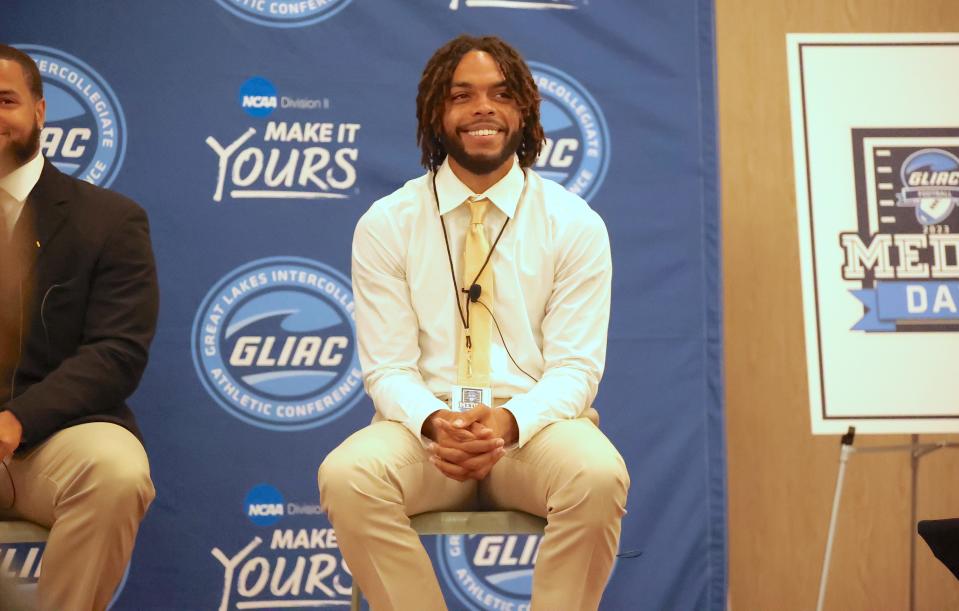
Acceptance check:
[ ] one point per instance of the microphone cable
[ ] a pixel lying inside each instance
(472, 294)
(503, 339)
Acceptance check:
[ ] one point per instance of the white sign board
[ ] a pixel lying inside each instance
(875, 121)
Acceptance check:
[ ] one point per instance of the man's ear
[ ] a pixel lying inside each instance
(41, 112)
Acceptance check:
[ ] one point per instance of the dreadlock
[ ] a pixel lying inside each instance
(434, 91)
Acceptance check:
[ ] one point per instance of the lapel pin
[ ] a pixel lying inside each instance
(38, 243)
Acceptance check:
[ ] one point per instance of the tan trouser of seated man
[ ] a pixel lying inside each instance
(90, 485)
(569, 473)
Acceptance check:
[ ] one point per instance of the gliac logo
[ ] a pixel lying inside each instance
(284, 13)
(490, 571)
(273, 344)
(931, 185)
(85, 132)
(576, 153)
(21, 565)
(264, 505)
(297, 159)
(258, 97)
(905, 254)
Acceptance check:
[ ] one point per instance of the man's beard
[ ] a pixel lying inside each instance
(481, 164)
(18, 152)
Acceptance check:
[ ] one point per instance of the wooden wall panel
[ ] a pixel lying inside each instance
(781, 478)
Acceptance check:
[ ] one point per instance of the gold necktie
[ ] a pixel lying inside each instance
(473, 357)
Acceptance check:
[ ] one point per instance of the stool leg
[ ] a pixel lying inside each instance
(355, 597)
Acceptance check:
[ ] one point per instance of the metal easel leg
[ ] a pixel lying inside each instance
(845, 449)
(914, 485)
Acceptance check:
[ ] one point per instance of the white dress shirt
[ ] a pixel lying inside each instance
(16, 186)
(552, 274)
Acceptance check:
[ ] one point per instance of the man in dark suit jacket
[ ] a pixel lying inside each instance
(81, 312)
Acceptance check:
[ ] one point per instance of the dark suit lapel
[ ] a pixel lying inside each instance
(45, 212)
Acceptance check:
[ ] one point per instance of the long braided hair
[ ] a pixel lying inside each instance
(434, 89)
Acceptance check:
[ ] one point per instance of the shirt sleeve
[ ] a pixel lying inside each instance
(574, 331)
(387, 327)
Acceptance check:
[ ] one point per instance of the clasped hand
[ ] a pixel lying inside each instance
(11, 433)
(466, 445)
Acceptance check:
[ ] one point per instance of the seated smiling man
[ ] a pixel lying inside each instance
(482, 383)
(78, 309)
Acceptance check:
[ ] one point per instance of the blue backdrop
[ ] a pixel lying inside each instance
(255, 133)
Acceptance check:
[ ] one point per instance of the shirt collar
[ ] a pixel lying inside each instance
(504, 194)
(21, 181)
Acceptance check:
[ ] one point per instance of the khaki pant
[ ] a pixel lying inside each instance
(90, 485)
(568, 473)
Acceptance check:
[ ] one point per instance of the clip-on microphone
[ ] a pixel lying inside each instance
(474, 292)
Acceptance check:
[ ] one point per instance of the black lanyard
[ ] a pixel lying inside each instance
(471, 294)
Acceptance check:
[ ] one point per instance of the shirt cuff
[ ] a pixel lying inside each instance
(418, 416)
(528, 422)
